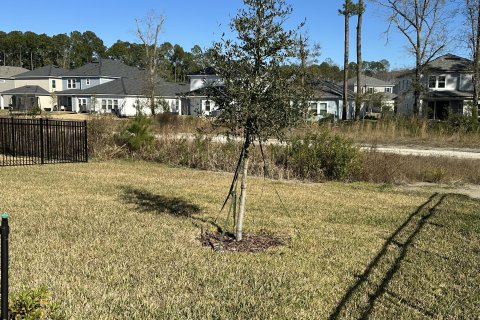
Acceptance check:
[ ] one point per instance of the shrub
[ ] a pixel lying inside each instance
(102, 143)
(138, 134)
(34, 304)
(320, 155)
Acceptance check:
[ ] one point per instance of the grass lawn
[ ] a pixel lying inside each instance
(113, 240)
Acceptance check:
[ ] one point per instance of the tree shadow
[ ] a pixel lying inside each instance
(159, 204)
(401, 240)
(147, 201)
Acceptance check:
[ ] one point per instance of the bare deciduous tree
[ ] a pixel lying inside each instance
(147, 31)
(422, 22)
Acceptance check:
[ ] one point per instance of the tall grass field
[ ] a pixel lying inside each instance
(119, 240)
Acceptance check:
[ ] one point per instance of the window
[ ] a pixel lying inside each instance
(388, 90)
(87, 82)
(312, 108)
(432, 81)
(109, 104)
(441, 81)
(71, 84)
(370, 90)
(115, 104)
(323, 109)
(54, 84)
(104, 104)
(207, 105)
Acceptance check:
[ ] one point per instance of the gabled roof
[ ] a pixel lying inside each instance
(105, 68)
(368, 81)
(8, 71)
(324, 89)
(450, 63)
(128, 87)
(43, 72)
(28, 90)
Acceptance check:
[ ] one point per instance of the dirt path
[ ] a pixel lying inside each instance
(426, 151)
(472, 191)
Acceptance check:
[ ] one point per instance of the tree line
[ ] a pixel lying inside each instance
(31, 50)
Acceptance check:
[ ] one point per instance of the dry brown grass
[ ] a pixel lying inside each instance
(118, 240)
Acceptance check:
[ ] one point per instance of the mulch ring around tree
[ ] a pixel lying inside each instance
(250, 243)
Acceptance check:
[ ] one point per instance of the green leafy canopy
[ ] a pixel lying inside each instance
(261, 93)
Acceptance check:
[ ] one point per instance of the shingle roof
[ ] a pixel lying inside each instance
(28, 90)
(450, 63)
(209, 71)
(368, 81)
(450, 94)
(128, 87)
(328, 90)
(8, 71)
(105, 68)
(46, 71)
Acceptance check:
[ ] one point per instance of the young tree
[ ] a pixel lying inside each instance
(473, 21)
(358, 97)
(260, 97)
(422, 22)
(148, 30)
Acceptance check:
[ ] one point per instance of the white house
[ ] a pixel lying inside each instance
(327, 101)
(7, 82)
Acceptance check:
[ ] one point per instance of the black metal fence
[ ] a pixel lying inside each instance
(42, 141)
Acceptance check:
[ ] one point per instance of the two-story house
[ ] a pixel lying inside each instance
(446, 86)
(7, 82)
(197, 101)
(36, 88)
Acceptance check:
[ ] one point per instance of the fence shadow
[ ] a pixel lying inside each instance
(147, 201)
(401, 239)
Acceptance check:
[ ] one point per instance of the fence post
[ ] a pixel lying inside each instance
(5, 230)
(42, 153)
(86, 141)
(13, 136)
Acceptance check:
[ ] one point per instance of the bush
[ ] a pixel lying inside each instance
(320, 156)
(34, 304)
(102, 142)
(138, 134)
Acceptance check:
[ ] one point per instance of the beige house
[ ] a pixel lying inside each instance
(7, 82)
(35, 88)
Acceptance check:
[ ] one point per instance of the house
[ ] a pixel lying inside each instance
(197, 101)
(91, 75)
(7, 82)
(377, 94)
(35, 88)
(123, 97)
(447, 88)
(327, 100)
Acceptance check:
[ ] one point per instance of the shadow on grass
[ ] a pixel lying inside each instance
(387, 262)
(155, 203)
(147, 201)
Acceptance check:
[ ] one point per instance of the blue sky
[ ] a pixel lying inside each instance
(190, 22)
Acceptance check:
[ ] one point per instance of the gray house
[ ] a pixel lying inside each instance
(447, 88)
(92, 75)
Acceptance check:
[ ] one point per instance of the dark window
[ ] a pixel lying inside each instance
(432, 82)
(441, 81)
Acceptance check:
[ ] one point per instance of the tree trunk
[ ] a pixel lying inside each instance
(476, 67)
(345, 66)
(358, 97)
(243, 197)
(31, 60)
